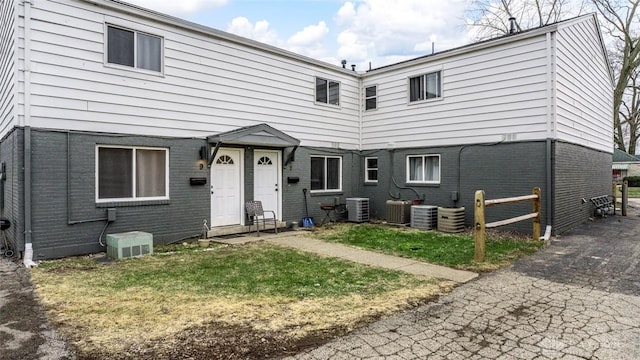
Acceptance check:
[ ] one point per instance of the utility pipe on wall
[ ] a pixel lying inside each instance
(28, 254)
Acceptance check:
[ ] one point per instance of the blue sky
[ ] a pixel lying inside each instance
(363, 31)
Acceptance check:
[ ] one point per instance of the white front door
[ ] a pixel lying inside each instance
(226, 184)
(266, 184)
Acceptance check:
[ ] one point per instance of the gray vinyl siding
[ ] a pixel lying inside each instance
(580, 173)
(8, 79)
(501, 170)
(52, 236)
(209, 84)
(584, 92)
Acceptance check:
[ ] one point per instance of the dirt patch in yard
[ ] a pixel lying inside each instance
(220, 341)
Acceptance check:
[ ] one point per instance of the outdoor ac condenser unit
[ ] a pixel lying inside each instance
(358, 209)
(424, 217)
(451, 219)
(398, 211)
(129, 244)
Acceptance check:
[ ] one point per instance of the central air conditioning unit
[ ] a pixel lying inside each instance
(129, 244)
(424, 217)
(358, 209)
(451, 219)
(398, 211)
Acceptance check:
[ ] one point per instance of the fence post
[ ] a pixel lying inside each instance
(625, 197)
(479, 232)
(536, 209)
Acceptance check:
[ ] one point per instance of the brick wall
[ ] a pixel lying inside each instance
(580, 173)
(168, 221)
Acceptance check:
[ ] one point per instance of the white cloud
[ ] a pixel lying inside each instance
(259, 31)
(179, 7)
(309, 35)
(385, 31)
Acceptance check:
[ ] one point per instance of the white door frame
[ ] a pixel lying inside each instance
(278, 159)
(240, 204)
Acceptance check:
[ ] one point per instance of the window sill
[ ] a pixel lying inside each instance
(422, 184)
(124, 203)
(426, 101)
(370, 183)
(331, 106)
(326, 193)
(135, 69)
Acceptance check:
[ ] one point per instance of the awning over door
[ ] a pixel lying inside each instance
(255, 135)
(620, 166)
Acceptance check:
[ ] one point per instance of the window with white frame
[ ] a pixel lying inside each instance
(134, 49)
(326, 173)
(371, 97)
(424, 169)
(371, 169)
(425, 87)
(131, 173)
(327, 91)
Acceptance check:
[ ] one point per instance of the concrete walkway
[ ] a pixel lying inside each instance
(579, 298)
(299, 240)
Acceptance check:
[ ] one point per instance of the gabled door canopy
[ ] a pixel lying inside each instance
(255, 135)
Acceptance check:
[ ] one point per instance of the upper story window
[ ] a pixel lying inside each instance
(371, 169)
(131, 173)
(423, 169)
(134, 49)
(326, 173)
(327, 91)
(424, 87)
(371, 97)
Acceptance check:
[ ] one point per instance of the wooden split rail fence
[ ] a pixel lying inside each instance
(480, 233)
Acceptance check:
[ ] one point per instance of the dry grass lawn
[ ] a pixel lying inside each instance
(108, 309)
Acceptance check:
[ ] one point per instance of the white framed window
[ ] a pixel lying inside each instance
(371, 97)
(425, 87)
(327, 91)
(371, 169)
(134, 49)
(423, 169)
(131, 173)
(326, 173)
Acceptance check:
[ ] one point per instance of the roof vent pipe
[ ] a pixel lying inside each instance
(344, 63)
(353, 67)
(512, 25)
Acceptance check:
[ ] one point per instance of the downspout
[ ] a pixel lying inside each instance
(28, 247)
(360, 158)
(549, 136)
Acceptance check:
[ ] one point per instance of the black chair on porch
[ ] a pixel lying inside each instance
(255, 211)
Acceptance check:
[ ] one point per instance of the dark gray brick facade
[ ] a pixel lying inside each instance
(12, 154)
(501, 170)
(54, 236)
(580, 173)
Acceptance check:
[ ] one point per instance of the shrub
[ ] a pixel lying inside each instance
(634, 181)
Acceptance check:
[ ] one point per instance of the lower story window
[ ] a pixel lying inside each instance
(371, 169)
(131, 173)
(326, 173)
(423, 169)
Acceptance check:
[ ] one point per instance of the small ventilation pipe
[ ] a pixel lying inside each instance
(353, 67)
(512, 25)
(344, 64)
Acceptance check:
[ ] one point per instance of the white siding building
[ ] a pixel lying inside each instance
(110, 108)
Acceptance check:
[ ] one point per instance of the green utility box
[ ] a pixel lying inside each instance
(129, 244)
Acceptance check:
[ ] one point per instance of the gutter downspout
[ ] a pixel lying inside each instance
(28, 247)
(360, 115)
(550, 124)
